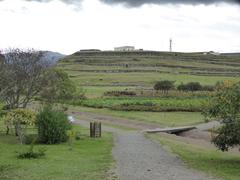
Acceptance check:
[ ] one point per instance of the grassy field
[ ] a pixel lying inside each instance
(106, 71)
(89, 159)
(97, 73)
(222, 165)
(170, 119)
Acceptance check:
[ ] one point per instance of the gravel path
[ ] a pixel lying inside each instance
(138, 158)
(141, 159)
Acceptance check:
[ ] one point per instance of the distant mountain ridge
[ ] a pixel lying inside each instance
(52, 57)
(49, 56)
(231, 54)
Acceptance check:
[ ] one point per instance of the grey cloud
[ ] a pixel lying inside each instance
(135, 3)
(65, 1)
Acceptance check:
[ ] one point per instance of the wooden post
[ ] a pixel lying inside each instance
(91, 129)
(100, 130)
(95, 129)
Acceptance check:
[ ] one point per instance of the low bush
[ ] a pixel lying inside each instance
(31, 154)
(208, 88)
(52, 126)
(195, 86)
(19, 119)
(191, 86)
(181, 87)
(120, 93)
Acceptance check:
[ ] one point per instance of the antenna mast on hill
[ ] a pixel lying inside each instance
(170, 45)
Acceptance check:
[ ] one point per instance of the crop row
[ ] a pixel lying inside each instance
(147, 104)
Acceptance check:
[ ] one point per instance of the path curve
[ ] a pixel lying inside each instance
(124, 122)
(138, 158)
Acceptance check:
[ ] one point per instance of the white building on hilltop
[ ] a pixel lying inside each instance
(125, 48)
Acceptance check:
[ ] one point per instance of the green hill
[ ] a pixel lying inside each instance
(97, 72)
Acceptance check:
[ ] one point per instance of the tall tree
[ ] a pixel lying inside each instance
(22, 76)
(58, 87)
(26, 74)
(225, 106)
(164, 86)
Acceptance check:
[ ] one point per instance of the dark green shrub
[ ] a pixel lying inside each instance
(194, 86)
(164, 86)
(182, 87)
(31, 154)
(191, 86)
(208, 88)
(120, 93)
(52, 126)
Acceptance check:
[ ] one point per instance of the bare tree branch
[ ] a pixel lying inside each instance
(22, 76)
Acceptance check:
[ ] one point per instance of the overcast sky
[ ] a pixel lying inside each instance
(68, 26)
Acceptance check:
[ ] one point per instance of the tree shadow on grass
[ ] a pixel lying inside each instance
(8, 139)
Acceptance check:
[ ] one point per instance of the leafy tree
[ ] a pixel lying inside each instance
(58, 86)
(225, 106)
(164, 86)
(193, 86)
(221, 85)
(181, 87)
(18, 119)
(25, 74)
(22, 76)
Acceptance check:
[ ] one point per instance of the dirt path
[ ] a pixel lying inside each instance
(138, 158)
(139, 125)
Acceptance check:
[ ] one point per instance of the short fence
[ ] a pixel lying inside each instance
(95, 129)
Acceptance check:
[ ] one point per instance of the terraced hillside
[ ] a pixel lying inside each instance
(97, 72)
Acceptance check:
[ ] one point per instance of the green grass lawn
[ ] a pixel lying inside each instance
(90, 159)
(161, 118)
(223, 165)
